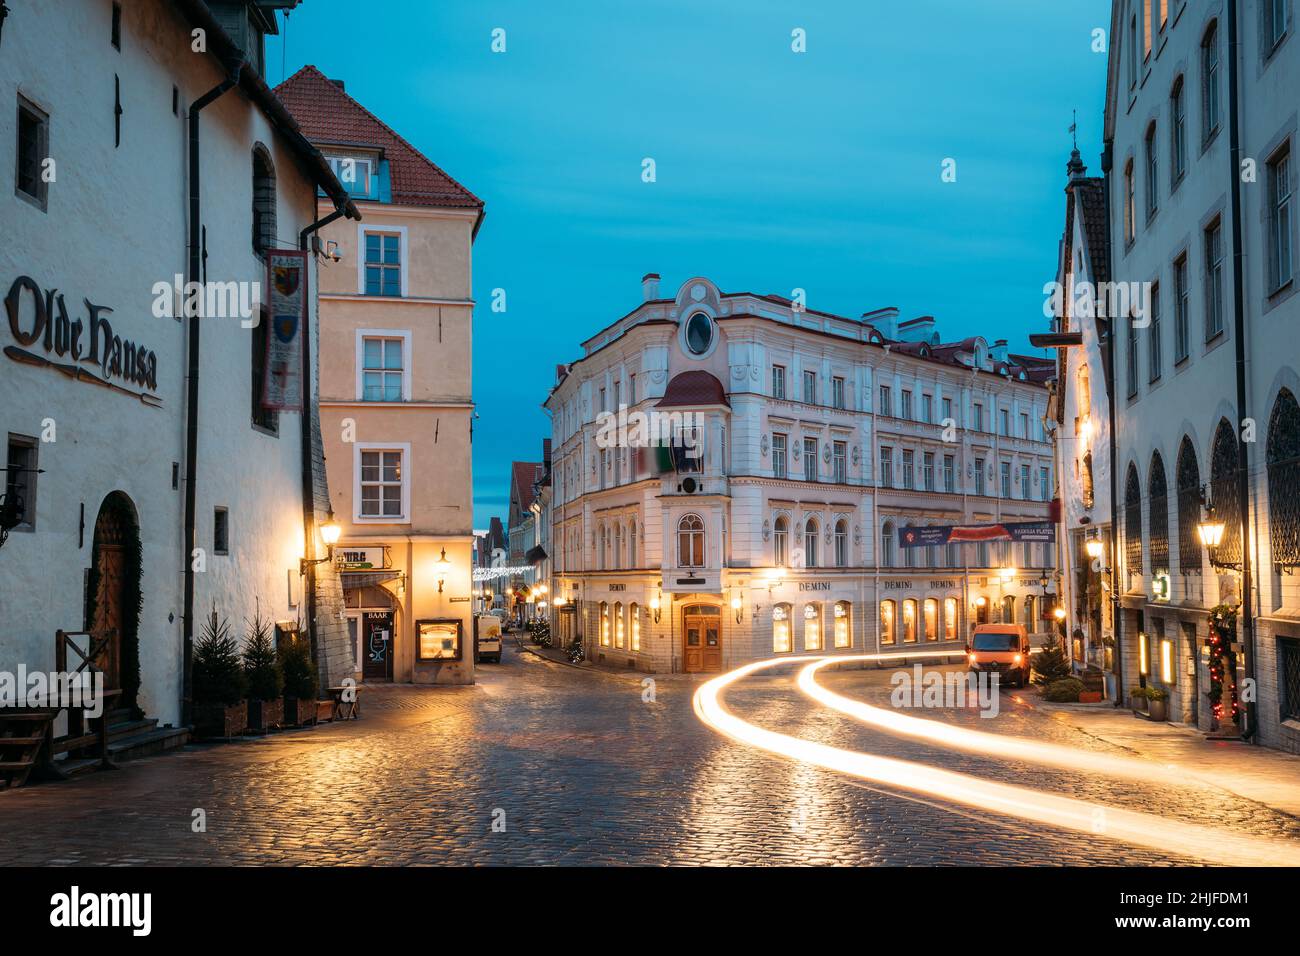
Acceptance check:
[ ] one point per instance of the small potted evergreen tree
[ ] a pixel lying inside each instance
(265, 679)
(1050, 663)
(219, 686)
(1157, 703)
(300, 681)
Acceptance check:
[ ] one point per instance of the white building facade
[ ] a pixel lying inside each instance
(1201, 134)
(820, 438)
(111, 429)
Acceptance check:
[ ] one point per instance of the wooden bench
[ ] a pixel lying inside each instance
(344, 709)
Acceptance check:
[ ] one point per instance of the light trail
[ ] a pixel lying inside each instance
(1140, 829)
(981, 742)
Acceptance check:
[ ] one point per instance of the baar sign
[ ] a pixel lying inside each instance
(89, 343)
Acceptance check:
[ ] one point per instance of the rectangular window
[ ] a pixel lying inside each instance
(909, 473)
(810, 459)
(949, 474)
(1154, 358)
(931, 608)
(1130, 207)
(778, 381)
(841, 460)
(20, 483)
(781, 629)
(262, 417)
(1279, 211)
(979, 476)
(221, 531)
(1024, 482)
(837, 392)
(33, 148)
(381, 484)
(810, 388)
(1132, 358)
(116, 34)
(886, 402)
(977, 417)
(1213, 280)
(1024, 424)
(1289, 664)
(383, 264)
(1044, 484)
(1133, 52)
(1182, 312)
(438, 639)
(1005, 476)
(603, 406)
(778, 455)
(1153, 171)
(631, 389)
(382, 369)
(950, 619)
(1210, 83)
(909, 621)
(945, 407)
(927, 408)
(1004, 424)
(927, 471)
(887, 633)
(905, 405)
(886, 466)
(355, 175)
(843, 626)
(1177, 134)
(1275, 17)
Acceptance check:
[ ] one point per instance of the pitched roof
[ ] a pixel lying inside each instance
(329, 115)
(523, 475)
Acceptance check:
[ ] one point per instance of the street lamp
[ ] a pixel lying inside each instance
(1094, 548)
(441, 567)
(1211, 528)
(655, 603)
(736, 605)
(329, 533)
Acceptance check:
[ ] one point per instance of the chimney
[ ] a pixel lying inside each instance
(650, 286)
(999, 350)
(339, 84)
(884, 321)
(920, 329)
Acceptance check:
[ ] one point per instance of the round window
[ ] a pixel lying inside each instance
(699, 333)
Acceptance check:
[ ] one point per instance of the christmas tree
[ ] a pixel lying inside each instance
(1050, 663)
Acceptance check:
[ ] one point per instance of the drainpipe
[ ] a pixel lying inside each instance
(192, 387)
(1239, 335)
(1117, 615)
(305, 437)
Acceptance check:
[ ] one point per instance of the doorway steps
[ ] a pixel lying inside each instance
(22, 735)
(129, 739)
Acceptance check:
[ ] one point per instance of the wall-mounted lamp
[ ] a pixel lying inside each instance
(737, 606)
(655, 603)
(1059, 614)
(1094, 548)
(1007, 575)
(981, 601)
(1211, 528)
(329, 533)
(440, 568)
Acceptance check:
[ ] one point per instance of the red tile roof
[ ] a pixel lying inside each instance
(693, 389)
(329, 115)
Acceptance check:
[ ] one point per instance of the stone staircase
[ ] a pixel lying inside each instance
(129, 739)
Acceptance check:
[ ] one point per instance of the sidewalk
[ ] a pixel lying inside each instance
(557, 655)
(1254, 773)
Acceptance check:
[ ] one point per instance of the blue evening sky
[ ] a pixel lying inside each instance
(775, 170)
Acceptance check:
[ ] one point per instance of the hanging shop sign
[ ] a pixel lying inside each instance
(94, 353)
(361, 559)
(286, 281)
(925, 537)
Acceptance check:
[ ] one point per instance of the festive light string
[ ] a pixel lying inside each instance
(491, 574)
(1140, 829)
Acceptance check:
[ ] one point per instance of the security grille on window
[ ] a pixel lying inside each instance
(381, 484)
(264, 211)
(1189, 509)
(1289, 659)
(1159, 516)
(383, 264)
(1283, 454)
(382, 373)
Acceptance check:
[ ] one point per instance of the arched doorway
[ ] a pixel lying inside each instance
(113, 595)
(702, 638)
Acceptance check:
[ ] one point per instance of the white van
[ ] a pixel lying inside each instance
(489, 639)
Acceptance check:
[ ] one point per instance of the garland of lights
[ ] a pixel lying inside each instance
(1223, 629)
(491, 574)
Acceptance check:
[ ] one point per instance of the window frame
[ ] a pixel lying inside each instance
(403, 257)
(31, 472)
(695, 538)
(40, 200)
(358, 448)
(402, 335)
(1281, 233)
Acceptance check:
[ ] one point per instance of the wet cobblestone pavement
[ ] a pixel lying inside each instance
(581, 770)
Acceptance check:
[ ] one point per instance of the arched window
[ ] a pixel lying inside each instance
(1210, 82)
(1133, 521)
(690, 542)
(781, 629)
(1031, 623)
(1009, 609)
(887, 545)
(931, 619)
(909, 621)
(1159, 518)
(841, 543)
(887, 625)
(781, 542)
(1177, 131)
(618, 625)
(1223, 493)
(810, 543)
(631, 544)
(634, 620)
(600, 547)
(1153, 170)
(812, 627)
(1284, 481)
(1189, 508)
(950, 619)
(843, 624)
(264, 226)
(618, 547)
(604, 624)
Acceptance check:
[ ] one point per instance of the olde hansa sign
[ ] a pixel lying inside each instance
(38, 319)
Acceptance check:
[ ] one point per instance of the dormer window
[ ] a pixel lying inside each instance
(356, 173)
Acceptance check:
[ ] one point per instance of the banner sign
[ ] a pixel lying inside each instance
(913, 537)
(286, 275)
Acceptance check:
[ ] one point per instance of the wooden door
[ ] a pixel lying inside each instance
(106, 623)
(702, 639)
(377, 645)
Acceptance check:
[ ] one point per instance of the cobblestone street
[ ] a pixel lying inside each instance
(584, 772)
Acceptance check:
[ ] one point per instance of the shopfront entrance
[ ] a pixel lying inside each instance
(377, 645)
(701, 638)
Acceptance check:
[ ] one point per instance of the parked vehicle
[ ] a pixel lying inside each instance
(489, 639)
(1002, 649)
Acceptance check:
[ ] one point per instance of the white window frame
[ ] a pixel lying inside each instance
(405, 449)
(405, 336)
(366, 229)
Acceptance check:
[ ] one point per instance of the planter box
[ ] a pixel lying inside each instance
(1139, 704)
(217, 720)
(299, 712)
(1089, 696)
(324, 710)
(265, 714)
(1159, 710)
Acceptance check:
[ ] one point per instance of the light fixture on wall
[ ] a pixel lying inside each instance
(737, 605)
(656, 603)
(440, 568)
(1059, 613)
(1094, 548)
(329, 533)
(1211, 527)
